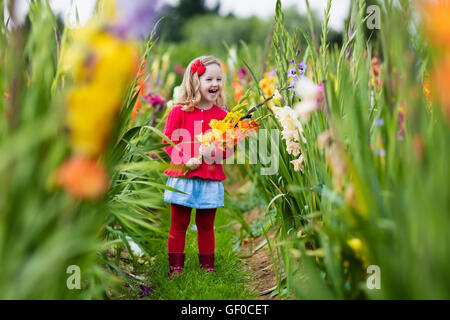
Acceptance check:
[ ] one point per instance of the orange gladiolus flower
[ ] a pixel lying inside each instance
(230, 131)
(437, 22)
(83, 178)
(244, 124)
(238, 89)
(440, 81)
(140, 89)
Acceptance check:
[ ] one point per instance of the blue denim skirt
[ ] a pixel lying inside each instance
(198, 193)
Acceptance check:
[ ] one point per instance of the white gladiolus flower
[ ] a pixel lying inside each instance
(289, 134)
(292, 129)
(304, 109)
(293, 148)
(134, 247)
(177, 93)
(308, 92)
(291, 125)
(284, 114)
(298, 163)
(293, 134)
(288, 118)
(306, 89)
(232, 58)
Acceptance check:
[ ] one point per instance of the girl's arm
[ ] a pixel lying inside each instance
(173, 131)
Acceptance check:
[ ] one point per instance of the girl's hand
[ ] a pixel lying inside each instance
(207, 151)
(193, 163)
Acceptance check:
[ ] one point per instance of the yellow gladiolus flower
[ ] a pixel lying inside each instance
(228, 132)
(267, 84)
(221, 126)
(355, 244)
(103, 75)
(358, 247)
(232, 118)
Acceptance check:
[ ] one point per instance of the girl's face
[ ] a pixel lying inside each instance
(211, 84)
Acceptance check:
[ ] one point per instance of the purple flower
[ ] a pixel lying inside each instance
(297, 52)
(381, 152)
(271, 73)
(379, 122)
(145, 290)
(292, 73)
(302, 67)
(135, 19)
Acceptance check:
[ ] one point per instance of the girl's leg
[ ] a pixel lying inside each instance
(180, 218)
(204, 219)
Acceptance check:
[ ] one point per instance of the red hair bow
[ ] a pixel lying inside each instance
(198, 67)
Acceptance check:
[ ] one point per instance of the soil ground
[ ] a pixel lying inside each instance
(259, 263)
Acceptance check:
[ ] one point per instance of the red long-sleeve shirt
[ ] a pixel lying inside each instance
(182, 127)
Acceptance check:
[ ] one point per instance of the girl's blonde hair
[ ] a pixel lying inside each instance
(190, 87)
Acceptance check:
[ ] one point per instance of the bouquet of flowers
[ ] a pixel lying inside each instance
(230, 131)
(225, 134)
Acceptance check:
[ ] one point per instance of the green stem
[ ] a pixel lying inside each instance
(247, 115)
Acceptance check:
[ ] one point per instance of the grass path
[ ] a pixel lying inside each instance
(231, 281)
(244, 269)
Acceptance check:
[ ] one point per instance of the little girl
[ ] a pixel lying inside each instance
(201, 100)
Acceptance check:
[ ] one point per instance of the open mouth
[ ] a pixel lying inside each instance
(213, 91)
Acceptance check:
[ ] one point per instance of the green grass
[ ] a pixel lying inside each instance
(231, 280)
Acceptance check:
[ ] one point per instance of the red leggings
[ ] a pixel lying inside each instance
(180, 218)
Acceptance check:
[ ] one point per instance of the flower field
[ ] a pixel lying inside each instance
(344, 157)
